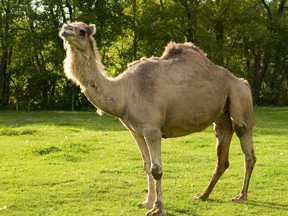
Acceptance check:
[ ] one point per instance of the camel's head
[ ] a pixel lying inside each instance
(77, 35)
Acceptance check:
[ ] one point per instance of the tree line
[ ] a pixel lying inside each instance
(249, 37)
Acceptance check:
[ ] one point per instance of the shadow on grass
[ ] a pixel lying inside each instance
(254, 203)
(14, 120)
(271, 205)
(182, 212)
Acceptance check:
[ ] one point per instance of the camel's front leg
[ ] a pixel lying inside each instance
(150, 199)
(153, 140)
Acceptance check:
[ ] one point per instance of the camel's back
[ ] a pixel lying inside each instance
(178, 63)
(182, 67)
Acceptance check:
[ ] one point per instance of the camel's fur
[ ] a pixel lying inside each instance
(179, 93)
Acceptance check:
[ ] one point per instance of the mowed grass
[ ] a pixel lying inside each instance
(78, 163)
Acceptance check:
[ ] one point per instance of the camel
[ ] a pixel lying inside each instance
(173, 95)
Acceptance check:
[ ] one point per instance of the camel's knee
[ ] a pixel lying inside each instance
(243, 128)
(225, 165)
(240, 130)
(251, 160)
(221, 167)
(157, 172)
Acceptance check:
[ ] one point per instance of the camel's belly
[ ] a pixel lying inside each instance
(183, 129)
(189, 122)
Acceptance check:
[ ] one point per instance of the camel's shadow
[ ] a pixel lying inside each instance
(259, 203)
(271, 205)
(251, 203)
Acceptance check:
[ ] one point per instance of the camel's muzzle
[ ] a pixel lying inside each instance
(66, 33)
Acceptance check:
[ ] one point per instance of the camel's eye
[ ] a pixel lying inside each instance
(82, 32)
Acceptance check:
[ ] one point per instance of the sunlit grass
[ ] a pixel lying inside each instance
(71, 163)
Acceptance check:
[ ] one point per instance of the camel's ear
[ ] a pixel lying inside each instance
(91, 29)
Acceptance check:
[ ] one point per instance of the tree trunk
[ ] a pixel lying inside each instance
(257, 67)
(260, 69)
(281, 8)
(17, 94)
(4, 81)
(135, 44)
(52, 94)
(219, 31)
(189, 34)
(3, 69)
(70, 9)
(161, 4)
(73, 101)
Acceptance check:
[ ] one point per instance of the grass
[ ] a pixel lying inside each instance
(71, 163)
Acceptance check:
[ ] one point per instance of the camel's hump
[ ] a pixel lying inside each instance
(175, 50)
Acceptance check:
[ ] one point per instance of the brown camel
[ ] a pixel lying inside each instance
(179, 93)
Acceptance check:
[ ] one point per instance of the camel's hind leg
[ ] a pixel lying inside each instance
(224, 132)
(241, 112)
(245, 135)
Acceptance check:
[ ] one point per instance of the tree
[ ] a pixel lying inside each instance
(248, 37)
(6, 50)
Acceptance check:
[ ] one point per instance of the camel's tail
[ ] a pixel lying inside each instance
(245, 82)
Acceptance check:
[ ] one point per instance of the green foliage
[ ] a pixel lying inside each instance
(248, 37)
(77, 163)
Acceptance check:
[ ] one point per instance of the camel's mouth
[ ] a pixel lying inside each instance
(67, 34)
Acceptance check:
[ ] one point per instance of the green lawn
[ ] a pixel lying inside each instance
(77, 163)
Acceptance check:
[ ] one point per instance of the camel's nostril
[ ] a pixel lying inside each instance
(63, 34)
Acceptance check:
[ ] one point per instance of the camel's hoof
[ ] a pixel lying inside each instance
(200, 197)
(145, 205)
(156, 212)
(239, 199)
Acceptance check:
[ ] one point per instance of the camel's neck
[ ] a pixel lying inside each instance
(88, 72)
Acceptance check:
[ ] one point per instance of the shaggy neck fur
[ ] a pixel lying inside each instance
(87, 71)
